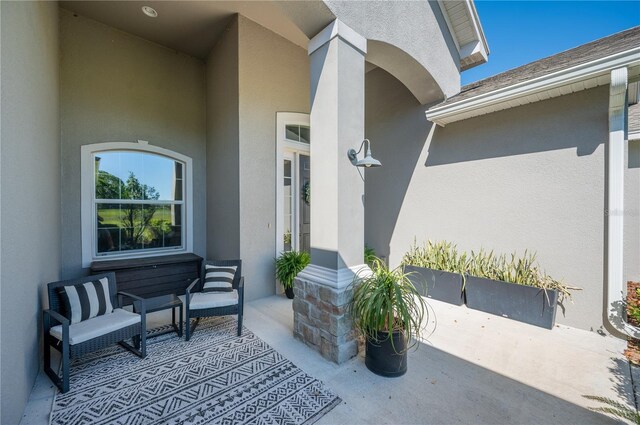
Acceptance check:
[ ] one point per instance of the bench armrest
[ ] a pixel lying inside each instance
(52, 314)
(188, 291)
(241, 294)
(47, 315)
(191, 287)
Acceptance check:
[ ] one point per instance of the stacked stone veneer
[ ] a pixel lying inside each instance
(321, 319)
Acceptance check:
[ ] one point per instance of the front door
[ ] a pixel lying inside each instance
(304, 218)
(293, 174)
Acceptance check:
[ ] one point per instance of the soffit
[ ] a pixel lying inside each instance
(190, 27)
(465, 27)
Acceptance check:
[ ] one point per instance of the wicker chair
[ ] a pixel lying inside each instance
(61, 337)
(200, 304)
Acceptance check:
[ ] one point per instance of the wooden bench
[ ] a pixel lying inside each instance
(152, 276)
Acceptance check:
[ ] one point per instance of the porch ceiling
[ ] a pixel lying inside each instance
(190, 27)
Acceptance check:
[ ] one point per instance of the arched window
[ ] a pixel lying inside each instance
(135, 201)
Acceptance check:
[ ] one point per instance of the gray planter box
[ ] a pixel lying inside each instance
(441, 286)
(518, 302)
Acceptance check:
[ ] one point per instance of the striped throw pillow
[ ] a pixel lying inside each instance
(87, 300)
(218, 278)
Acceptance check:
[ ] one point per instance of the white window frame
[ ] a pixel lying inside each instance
(289, 149)
(87, 191)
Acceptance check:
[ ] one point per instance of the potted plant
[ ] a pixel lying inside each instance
(369, 256)
(439, 268)
(288, 265)
(513, 287)
(389, 311)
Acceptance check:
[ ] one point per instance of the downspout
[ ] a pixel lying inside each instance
(616, 294)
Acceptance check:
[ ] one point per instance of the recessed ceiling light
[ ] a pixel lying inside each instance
(149, 11)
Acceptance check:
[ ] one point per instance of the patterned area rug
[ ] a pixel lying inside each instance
(216, 378)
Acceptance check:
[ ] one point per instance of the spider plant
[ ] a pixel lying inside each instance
(289, 264)
(387, 301)
(369, 255)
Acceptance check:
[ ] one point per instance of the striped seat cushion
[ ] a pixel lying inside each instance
(218, 278)
(87, 300)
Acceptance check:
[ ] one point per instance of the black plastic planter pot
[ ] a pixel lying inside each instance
(289, 293)
(381, 358)
(441, 286)
(518, 302)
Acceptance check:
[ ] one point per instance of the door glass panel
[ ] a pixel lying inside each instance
(305, 200)
(287, 212)
(305, 134)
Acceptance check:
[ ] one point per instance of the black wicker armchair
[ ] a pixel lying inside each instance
(207, 304)
(75, 340)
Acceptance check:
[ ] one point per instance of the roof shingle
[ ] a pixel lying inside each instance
(597, 49)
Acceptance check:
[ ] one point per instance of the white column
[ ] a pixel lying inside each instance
(337, 190)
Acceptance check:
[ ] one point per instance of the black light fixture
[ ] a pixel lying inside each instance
(368, 161)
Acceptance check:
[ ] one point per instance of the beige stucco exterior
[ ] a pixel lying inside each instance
(115, 87)
(531, 177)
(223, 118)
(29, 164)
(241, 143)
(269, 83)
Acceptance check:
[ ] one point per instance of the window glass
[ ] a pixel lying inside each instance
(138, 202)
(298, 133)
(305, 134)
(288, 213)
(137, 175)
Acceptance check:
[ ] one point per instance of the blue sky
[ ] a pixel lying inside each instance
(154, 170)
(519, 32)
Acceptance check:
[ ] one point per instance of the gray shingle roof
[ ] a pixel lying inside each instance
(603, 47)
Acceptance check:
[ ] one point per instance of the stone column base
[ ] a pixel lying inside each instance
(321, 319)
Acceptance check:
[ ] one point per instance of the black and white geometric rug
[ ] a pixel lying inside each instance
(216, 378)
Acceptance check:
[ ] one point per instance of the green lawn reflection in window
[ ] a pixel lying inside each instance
(138, 202)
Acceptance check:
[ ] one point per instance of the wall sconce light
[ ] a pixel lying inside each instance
(368, 161)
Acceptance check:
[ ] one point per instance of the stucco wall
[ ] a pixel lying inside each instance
(118, 87)
(531, 177)
(223, 192)
(273, 77)
(417, 28)
(30, 175)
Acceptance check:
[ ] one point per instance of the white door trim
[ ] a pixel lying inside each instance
(283, 145)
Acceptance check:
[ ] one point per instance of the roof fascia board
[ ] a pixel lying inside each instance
(477, 25)
(439, 114)
(476, 29)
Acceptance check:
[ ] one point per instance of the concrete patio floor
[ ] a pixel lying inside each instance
(473, 368)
